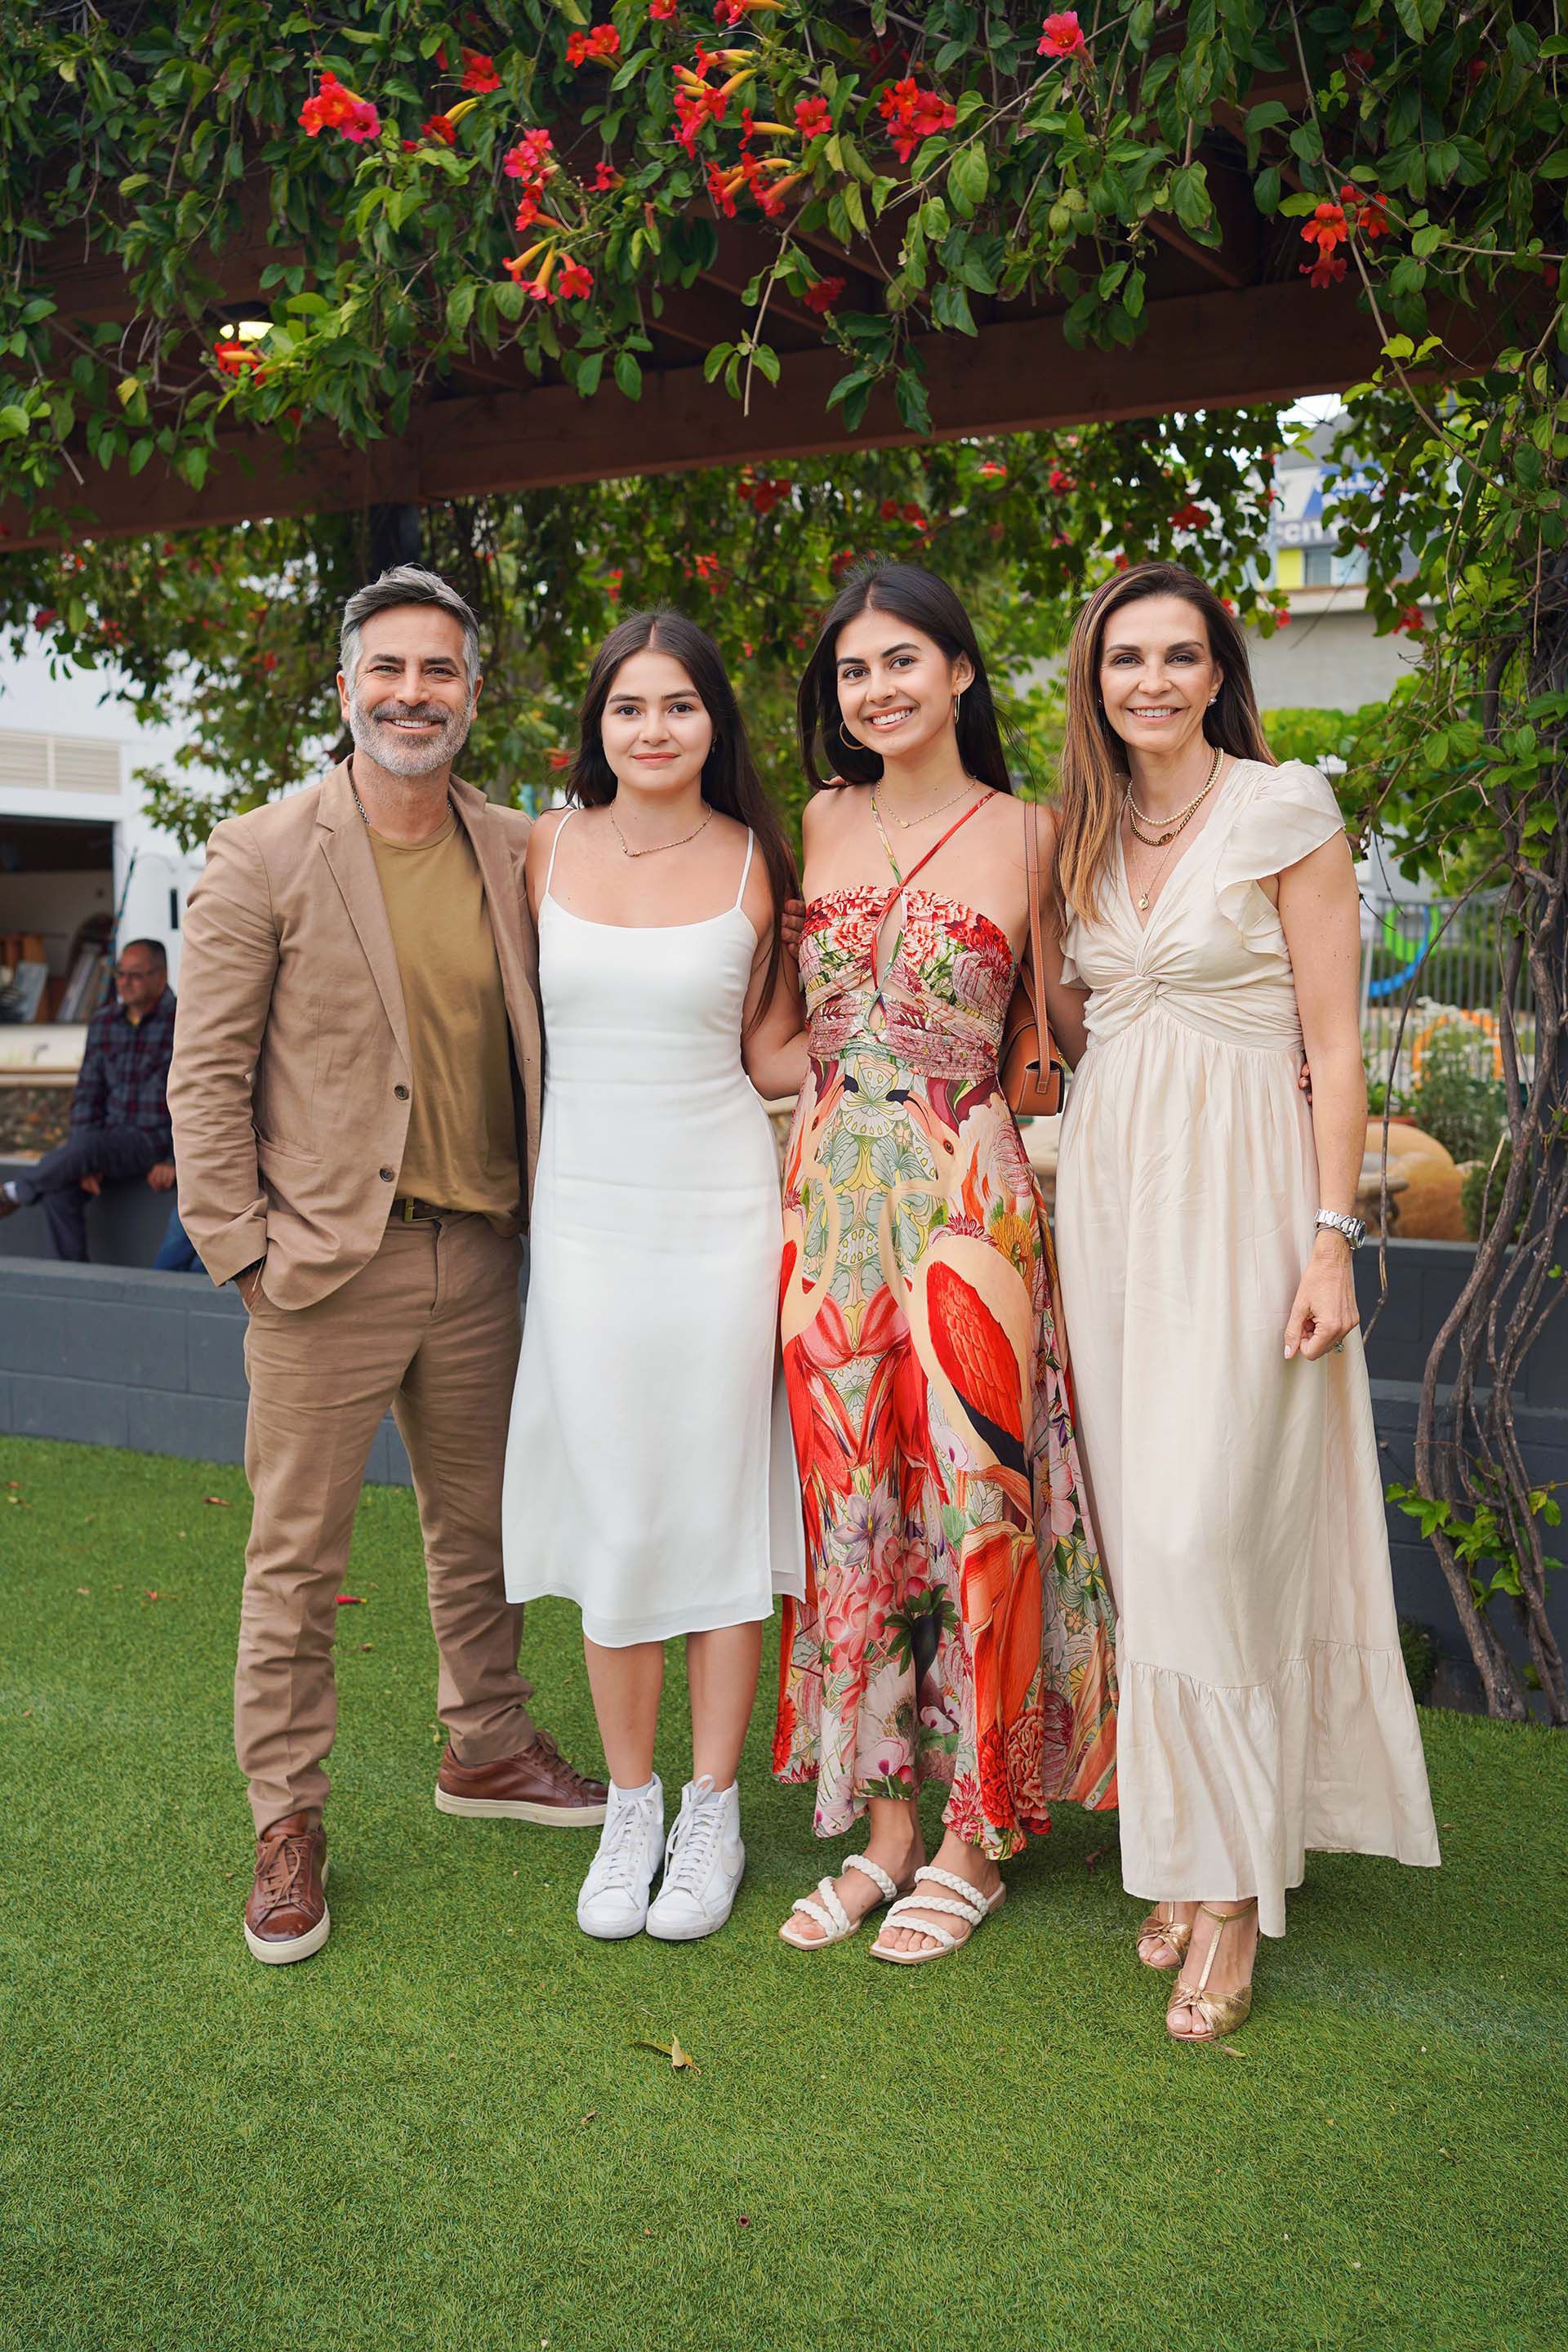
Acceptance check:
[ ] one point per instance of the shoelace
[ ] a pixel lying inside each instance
(621, 1860)
(579, 1783)
(284, 1868)
(692, 1845)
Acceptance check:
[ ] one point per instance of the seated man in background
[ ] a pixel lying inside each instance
(120, 1113)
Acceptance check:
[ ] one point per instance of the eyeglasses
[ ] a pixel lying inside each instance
(137, 971)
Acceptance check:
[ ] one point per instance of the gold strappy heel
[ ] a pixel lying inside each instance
(1174, 1934)
(1223, 2014)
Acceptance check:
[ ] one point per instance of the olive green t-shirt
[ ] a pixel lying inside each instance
(461, 1151)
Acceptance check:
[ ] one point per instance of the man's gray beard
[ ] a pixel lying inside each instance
(389, 750)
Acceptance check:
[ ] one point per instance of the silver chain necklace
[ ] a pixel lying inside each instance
(361, 806)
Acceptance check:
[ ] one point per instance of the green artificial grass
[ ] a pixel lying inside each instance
(441, 2132)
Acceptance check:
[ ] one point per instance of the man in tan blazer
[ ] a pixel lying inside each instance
(355, 1098)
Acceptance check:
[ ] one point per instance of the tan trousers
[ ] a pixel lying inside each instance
(429, 1327)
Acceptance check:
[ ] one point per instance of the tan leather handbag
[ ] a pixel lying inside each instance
(1030, 1073)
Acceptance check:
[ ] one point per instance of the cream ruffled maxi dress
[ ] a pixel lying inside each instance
(1265, 1706)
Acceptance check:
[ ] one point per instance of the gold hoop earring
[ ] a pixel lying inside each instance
(852, 741)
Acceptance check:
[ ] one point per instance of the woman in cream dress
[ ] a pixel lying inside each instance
(1205, 1229)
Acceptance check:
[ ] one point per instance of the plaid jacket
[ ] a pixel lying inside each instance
(124, 1079)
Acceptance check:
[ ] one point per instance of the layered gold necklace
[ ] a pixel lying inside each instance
(1174, 825)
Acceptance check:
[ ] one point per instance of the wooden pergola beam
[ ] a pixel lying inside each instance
(1211, 351)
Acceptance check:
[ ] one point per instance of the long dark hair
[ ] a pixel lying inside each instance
(729, 780)
(910, 593)
(1093, 776)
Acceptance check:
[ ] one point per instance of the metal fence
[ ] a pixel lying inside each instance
(1440, 959)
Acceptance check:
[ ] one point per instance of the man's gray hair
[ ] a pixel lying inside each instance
(406, 584)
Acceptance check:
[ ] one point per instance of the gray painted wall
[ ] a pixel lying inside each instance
(111, 1355)
(125, 1224)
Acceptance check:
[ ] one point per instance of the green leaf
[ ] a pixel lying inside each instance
(629, 374)
(950, 308)
(914, 408)
(968, 178)
(460, 305)
(1189, 197)
(15, 423)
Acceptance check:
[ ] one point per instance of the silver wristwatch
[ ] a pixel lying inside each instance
(1352, 1228)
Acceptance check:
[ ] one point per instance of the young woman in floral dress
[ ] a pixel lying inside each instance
(955, 1624)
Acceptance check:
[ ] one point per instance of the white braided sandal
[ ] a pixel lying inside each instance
(972, 1906)
(830, 1914)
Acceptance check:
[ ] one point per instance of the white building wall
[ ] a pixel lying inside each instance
(152, 873)
(1328, 658)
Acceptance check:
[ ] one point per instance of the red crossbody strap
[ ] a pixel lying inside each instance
(906, 879)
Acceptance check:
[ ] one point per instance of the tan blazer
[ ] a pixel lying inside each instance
(288, 1090)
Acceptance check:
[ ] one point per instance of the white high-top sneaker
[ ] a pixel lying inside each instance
(614, 1899)
(702, 1865)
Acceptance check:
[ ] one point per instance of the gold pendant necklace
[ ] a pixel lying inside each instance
(910, 823)
(1166, 840)
(653, 851)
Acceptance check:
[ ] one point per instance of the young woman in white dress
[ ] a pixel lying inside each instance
(650, 1472)
(1205, 1221)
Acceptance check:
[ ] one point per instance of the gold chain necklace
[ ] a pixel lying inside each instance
(910, 823)
(1136, 816)
(628, 852)
(1168, 839)
(886, 844)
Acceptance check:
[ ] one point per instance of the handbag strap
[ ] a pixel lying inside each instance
(1036, 960)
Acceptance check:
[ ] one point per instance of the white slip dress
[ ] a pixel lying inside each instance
(650, 1471)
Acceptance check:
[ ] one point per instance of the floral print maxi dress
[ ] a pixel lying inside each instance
(955, 1626)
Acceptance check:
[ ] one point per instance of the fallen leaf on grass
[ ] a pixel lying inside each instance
(350, 1601)
(152, 1596)
(85, 1591)
(589, 2116)
(1229, 2049)
(671, 2050)
(221, 1500)
(364, 1645)
(1091, 1859)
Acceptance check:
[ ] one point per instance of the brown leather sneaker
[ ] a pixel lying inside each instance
(537, 1784)
(287, 1917)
